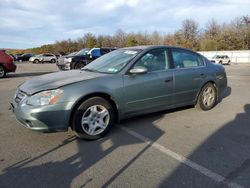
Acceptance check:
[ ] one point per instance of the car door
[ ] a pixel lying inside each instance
(45, 57)
(152, 89)
(189, 73)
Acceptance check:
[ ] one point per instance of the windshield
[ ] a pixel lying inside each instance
(112, 62)
(83, 51)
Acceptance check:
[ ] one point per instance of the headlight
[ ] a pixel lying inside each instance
(45, 98)
(69, 59)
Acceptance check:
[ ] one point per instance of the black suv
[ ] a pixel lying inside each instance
(81, 58)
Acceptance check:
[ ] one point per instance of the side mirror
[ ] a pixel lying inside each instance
(89, 55)
(138, 70)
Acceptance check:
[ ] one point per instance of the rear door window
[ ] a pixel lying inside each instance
(186, 59)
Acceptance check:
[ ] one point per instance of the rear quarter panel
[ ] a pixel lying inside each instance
(217, 74)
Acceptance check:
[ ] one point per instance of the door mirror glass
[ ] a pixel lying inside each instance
(138, 70)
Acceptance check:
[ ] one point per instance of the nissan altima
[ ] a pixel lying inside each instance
(124, 83)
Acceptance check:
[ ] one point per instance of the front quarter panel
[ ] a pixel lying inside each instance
(110, 84)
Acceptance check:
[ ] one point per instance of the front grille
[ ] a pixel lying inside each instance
(20, 95)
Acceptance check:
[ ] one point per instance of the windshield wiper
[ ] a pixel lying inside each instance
(92, 70)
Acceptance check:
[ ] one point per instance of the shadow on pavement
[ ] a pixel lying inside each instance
(226, 152)
(61, 173)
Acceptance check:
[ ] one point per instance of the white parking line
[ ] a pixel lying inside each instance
(212, 175)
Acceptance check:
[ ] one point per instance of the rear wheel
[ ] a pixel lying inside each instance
(207, 97)
(52, 60)
(2, 72)
(93, 118)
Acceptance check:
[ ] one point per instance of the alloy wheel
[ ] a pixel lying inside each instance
(208, 97)
(95, 120)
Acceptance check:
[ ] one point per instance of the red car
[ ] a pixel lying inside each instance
(6, 64)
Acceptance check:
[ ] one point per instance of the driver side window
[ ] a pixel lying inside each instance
(155, 60)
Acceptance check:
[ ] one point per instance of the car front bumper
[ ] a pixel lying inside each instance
(50, 118)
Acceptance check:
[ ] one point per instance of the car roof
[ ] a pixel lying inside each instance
(151, 47)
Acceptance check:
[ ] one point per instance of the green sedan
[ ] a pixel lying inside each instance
(124, 83)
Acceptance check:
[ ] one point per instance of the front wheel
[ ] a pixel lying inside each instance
(93, 118)
(79, 65)
(207, 97)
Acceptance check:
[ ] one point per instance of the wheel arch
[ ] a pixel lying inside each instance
(104, 95)
(1, 65)
(209, 81)
(36, 60)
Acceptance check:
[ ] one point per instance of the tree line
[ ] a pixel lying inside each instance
(214, 36)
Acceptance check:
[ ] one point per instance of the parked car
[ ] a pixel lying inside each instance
(24, 57)
(221, 59)
(121, 84)
(6, 64)
(81, 58)
(17, 56)
(51, 58)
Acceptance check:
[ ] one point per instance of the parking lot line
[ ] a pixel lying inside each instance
(203, 170)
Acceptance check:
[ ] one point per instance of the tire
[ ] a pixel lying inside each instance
(207, 98)
(79, 65)
(2, 72)
(52, 61)
(36, 61)
(88, 122)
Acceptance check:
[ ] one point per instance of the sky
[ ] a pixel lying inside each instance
(32, 23)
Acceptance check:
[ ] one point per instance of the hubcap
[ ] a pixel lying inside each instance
(208, 97)
(1, 71)
(95, 120)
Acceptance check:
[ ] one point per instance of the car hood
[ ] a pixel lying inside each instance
(56, 80)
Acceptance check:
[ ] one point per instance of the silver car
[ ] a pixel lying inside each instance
(41, 58)
(221, 59)
(121, 84)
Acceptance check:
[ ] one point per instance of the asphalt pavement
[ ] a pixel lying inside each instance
(184, 147)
